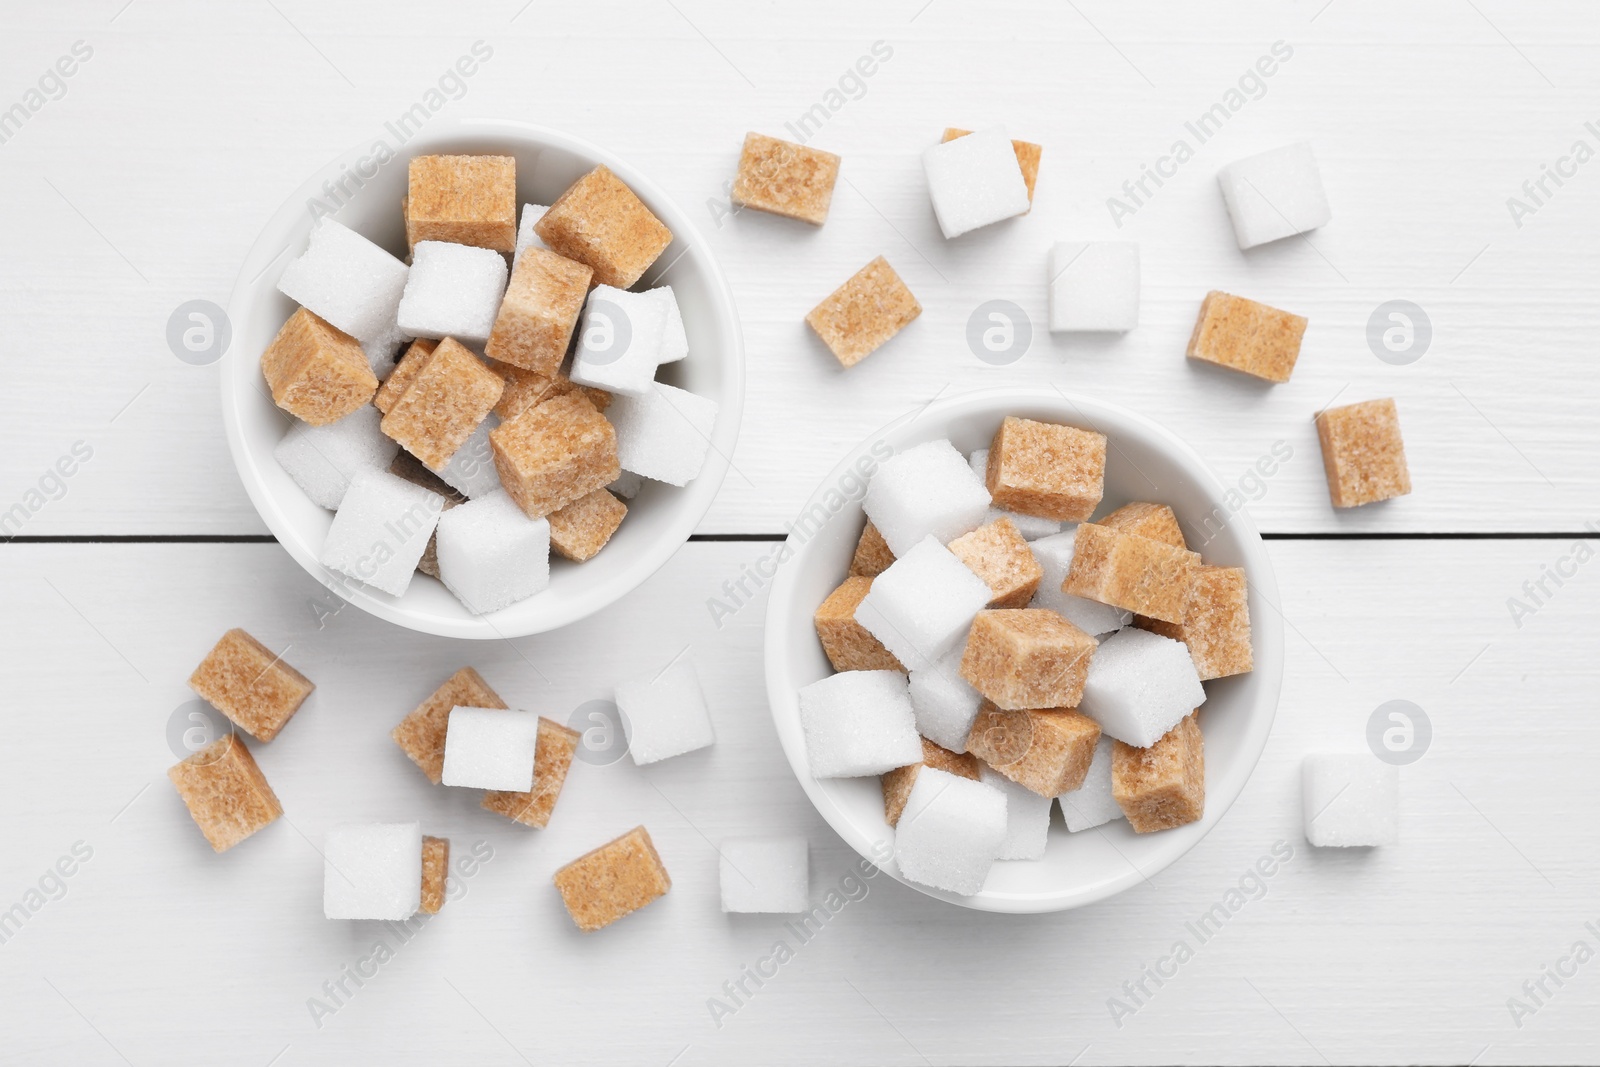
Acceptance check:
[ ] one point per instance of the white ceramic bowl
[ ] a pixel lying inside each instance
(1143, 462)
(660, 518)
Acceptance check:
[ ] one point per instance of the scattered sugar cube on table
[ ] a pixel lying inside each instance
(226, 794)
(943, 703)
(665, 712)
(921, 607)
(764, 875)
(435, 873)
(857, 318)
(975, 181)
(250, 684)
(317, 372)
(858, 723)
(1216, 622)
(1054, 554)
(951, 832)
(552, 759)
(1023, 658)
(348, 281)
(612, 881)
(898, 782)
(1247, 336)
(526, 236)
(321, 459)
(1274, 194)
(491, 555)
(539, 312)
(1031, 527)
(454, 291)
(555, 453)
(381, 530)
(1045, 751)
(582, 528)
(421, 734)
(490, 748)
(1350, 801)
(466, 200)
(620, 340)
(849, 645)
(1131, 572)
(1028, 156)
(1027, 818)
(1091, 804)
(1140, 685)
(448, 397)
(1164, 785)
(1094, 286)
(997, 553)
(1363, 454)
(664, 434)
(928, 489)
(603, 223)
(1046, 469)
(784, 178)
(372, 871)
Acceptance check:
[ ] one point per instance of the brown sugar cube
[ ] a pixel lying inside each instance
(420, 734)
(435, 871)
(583, 527)
(1028, 155)
(997, 553)
(1243, 335)
(1047, 751)
(467, 200)
(552, 758)
(1216, 622)
(1362, 453)
(614, 880)
(225, 792)
(409, 467)
(526, 389)
(1130, 572)
(1164, 785)
(872, 556)
(848, 644)
(600, 222)
(864, 312)
(539, 312)
(404, 373)
(898, 782)
(317, 373)
(1045, 469)
(448, 396)
(250, 684)
(1155, 521)
(552, 454)
(785, 178)
(1024, 658)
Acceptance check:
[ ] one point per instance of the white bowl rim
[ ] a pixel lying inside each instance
(1267, 638)
(673, 536)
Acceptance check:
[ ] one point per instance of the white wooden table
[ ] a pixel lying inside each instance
(139, 182)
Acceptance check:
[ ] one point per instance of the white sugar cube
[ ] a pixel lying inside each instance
(665, 713)
(764, 874)
(1350, 800)
(1054, 554)
(1027, 818)
(928, 489)
(627, 485)
(322, 459)
(1092, 804)
(858, 723)
(1094, 285)
(922, 605)
(951, 831)
(490, 748)
(664, 434)
(453, 291)
(975, 180)
(620, 339)
(1140, 685)
(382, 351)
(944, 703)
(347, 280)
(526, 237)
(674, 342)
(372, 871)
(1274, 195)
(471, 469)
(1031, 527)
(381, 530)
(492, 555)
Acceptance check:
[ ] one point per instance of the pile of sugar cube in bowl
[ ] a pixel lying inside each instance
(999, 651)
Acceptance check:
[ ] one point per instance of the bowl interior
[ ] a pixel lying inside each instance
(364, 192)
(1144, 462)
